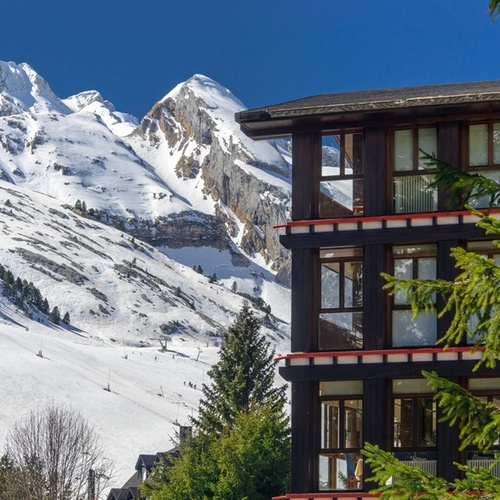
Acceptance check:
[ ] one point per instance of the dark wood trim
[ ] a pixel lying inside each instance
(383, 370)
(447, 447)
(376, 183)
(449, 150)
(306, 172)
(375, 299)
(305, 426)
(403, 236)
(305, 299)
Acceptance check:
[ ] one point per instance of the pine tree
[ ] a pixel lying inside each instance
(55, 315)
(241, 446)
(473, 294)
(66, 318)
(242, 378)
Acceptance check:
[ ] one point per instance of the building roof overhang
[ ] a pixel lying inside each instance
(326, 111)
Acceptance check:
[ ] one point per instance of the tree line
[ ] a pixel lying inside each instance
(27, 296)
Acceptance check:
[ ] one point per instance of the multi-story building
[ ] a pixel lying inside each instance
(361, 205)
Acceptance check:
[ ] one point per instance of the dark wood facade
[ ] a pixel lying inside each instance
(457, 119)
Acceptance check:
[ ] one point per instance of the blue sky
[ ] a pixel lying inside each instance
(264, 51)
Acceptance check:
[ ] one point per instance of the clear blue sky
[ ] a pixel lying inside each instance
(264, 51)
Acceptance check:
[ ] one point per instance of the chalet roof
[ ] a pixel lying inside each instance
(259, 121)
(145, 460)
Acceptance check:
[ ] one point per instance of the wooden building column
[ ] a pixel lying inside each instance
(375, 301)
(306, 172)
(305, 426)
(375, 171)
(447, 446)
(377, 427)
(449, 151)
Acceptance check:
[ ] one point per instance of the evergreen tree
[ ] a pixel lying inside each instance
(248, 461)
(473, 294)
(241, 446)
(45, 306)
(66, 318)
(242, 378)
(55, 315)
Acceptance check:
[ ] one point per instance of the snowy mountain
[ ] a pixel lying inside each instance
(107, 216)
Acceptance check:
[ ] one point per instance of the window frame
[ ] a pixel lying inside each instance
(341, 451)
(415, 270)
(357, 256)
(490, 165)
(417, 168)
(340, 139)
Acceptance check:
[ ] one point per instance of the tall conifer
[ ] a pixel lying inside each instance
(243, 377)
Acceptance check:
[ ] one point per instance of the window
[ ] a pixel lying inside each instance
(410, 181)
(415, 423)
(490, 251)
(484, 154)
(341, 309)
(488, 390)
(340, 462)
(341, 184)
(412, 262)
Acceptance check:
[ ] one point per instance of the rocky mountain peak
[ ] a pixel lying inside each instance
(22, 89)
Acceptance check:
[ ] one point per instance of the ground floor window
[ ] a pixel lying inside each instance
(487, 389)
(415, 424)
(340, 462)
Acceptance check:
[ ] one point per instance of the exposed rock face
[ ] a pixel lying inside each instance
(199, 134)
(186, 176)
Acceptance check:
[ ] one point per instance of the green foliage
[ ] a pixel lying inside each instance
(241, 448)
(242, 378)
(55, 315)
(461, 186)
(473, 294)
(66, 318)
(248, 461)
(479, 422)
(25, 295)
(188, 476)
(407, 483)
(494, 9)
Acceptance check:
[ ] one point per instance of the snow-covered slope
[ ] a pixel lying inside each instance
(107, 216)
(123, 296)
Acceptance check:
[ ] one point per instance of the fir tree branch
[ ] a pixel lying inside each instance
(477, 420)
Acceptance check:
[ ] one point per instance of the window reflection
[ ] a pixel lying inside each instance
(412, 263)
(341, 185)
(412, 193)
(340, 462)
(341, 313)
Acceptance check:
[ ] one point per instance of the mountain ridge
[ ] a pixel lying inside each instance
(149, 233)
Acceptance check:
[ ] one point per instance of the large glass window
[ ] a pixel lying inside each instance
(341, 184)
(411, 262)
(341, 310)
(415, 423)
(484, 154)
(410, 180)
(488, 390)
(491, 251)
(340, 462)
